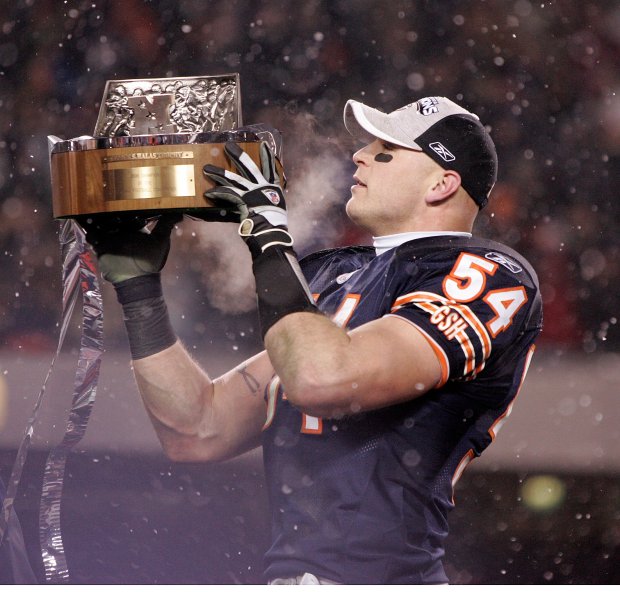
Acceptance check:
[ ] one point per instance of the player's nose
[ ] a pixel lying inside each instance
(363, 155)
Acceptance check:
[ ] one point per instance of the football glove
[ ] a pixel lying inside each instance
(255, 194)
(129, 247)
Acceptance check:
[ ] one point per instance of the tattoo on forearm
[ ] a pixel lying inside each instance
(250, 380)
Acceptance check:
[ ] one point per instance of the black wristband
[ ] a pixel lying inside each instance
(146, 315)
(280, 286)
(139, 288)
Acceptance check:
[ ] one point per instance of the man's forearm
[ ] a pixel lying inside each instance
(176, 393)
(192, 423)
(173, 386)
(198, 419)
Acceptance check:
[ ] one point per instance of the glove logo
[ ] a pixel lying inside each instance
(272, 196)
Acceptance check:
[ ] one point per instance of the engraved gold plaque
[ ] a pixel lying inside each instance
(148, 182)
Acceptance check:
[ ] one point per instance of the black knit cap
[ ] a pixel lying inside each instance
(452, 136)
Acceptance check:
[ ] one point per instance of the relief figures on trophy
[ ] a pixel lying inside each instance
(195, 105)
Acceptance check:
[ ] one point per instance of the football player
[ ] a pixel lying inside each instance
(386, 368)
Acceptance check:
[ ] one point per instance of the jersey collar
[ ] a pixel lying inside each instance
(389, 241)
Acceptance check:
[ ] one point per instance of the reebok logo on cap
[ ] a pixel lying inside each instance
(440, 149)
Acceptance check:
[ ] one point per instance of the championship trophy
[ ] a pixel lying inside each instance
(151, 140)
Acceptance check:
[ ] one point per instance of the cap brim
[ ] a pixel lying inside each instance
(366, 123)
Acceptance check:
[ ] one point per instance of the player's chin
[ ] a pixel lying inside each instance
(358, 195)
(350, 207)
(354, 210)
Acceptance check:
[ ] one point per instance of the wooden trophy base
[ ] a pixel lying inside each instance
(138, 178)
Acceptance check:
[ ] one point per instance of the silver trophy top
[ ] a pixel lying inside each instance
(154, 106)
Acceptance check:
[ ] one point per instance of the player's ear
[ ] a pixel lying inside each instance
(445, 185)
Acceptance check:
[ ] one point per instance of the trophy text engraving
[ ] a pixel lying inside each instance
(148, 156)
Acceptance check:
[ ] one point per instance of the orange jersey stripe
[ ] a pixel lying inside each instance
(426, 300)
(467, 313)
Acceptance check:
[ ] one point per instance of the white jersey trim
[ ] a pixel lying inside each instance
(389, 241)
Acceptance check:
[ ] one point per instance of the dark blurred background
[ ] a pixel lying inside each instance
(543, 505)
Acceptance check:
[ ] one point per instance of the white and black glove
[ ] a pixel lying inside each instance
(256, 195)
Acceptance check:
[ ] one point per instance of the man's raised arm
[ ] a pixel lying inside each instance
(196, 418)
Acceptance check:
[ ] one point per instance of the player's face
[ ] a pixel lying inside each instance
(391, 183)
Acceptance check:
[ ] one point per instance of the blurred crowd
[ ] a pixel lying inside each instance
(542, 75)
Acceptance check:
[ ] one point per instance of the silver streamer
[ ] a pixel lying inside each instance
(69, 296)
(78, 274)
(80, 269)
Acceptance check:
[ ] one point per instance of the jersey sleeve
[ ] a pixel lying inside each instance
(468, 307)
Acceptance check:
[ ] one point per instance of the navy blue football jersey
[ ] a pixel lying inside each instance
(364, 499)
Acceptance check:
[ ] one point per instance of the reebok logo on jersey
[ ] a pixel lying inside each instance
(503, 260)
(442, 151)
(272, 196)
